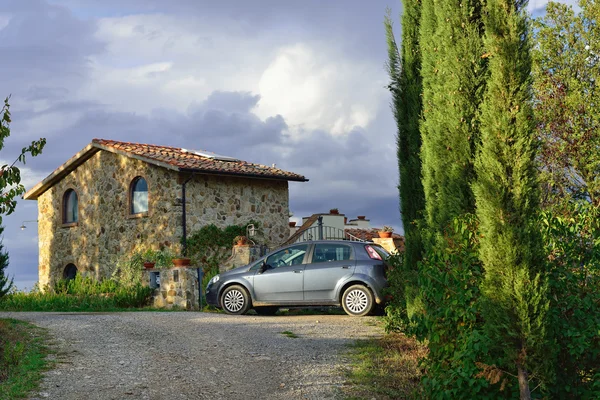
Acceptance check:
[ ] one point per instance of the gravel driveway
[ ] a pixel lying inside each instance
(192, 355)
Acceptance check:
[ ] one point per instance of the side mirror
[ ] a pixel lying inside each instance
(263, 267)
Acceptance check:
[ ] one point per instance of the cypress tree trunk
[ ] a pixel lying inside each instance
(507, 197)
(454, 76)
(406, 87)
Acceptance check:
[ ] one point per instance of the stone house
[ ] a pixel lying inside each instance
(113, 198)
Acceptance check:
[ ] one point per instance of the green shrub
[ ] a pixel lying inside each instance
(572, 244)
(450, 322)
(405, 300)
(80, 294)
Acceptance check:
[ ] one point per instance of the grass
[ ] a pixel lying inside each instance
(290, 334)
(22, 358)
(79, 294)
(385, 368)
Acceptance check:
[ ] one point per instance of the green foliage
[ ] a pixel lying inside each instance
(5, 284)
(450, 320)
(454, 77)
(161, 258)
(10, 175)
(572, 243)
(403, 289)
(566, 78)
(22, 358)
(514, 289)
(406, 87)
(211, 245)
(80, 294)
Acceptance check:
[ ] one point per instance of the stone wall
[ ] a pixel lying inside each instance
(106, 231)
(178, 287)
(392, 245)
(227, 200)
(240, 255)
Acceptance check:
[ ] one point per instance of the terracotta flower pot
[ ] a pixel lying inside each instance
(334, 211)
(362, 216)
(385, 235)
(149, 265)
(181, 262)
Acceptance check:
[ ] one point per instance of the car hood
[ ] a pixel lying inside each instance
(236, 270)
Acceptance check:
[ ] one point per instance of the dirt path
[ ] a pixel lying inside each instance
(187, 355)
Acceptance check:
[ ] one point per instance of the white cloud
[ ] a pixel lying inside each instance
(318, 89)
(4, 20)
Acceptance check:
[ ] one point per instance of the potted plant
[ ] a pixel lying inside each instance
(181, 261)
(334, 211)
(240, 240)
(149, 258)
(386, 232)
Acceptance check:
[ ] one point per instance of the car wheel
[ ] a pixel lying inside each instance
(235, 300)
(357, 301)
(266, 310)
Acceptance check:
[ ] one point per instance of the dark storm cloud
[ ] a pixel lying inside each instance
(41, 44)
(356, 26)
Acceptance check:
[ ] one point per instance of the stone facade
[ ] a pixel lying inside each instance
(392, 245)
(178, 287)
(106, 231)
(240, 255)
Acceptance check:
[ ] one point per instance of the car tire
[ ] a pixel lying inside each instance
(266, 310)
(235, 300)
(357, 301)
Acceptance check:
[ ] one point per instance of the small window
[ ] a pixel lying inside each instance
(70, 207)
(331, 252)
(70, 272)
(139, 196)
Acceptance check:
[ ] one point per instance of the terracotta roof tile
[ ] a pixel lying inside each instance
(182, 159)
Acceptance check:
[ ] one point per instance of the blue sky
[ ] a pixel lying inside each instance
(296, 83)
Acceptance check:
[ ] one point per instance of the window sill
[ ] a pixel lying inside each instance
(138, 215)
(69, 224)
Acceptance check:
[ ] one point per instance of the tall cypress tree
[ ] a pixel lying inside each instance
(5, 283)
(405, 85)
(454, 76)
(507, 197)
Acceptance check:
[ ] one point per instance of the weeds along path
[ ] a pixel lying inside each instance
(190, 355)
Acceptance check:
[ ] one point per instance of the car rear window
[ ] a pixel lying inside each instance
(381, 251)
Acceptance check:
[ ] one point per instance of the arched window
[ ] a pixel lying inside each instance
(138, 196)
(70, 207)
(70, 272)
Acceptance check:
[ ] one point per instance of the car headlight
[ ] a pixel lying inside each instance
(214, 279)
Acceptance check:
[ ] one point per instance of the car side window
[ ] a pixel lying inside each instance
(290, 256)
(331, 252)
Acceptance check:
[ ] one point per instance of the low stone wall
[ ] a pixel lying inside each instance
(174, 287)
(240, 255)
(392, 245)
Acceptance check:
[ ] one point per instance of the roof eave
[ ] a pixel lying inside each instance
(85, 154)
(242, 175)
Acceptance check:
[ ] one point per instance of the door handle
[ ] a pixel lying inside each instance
(298, 271)
(345, 267)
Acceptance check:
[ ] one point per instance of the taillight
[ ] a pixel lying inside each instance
(372, 253)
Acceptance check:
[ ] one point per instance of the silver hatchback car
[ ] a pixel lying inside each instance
(315, 273)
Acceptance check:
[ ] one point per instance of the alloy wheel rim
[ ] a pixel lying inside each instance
(234, 300)
(356, 301)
